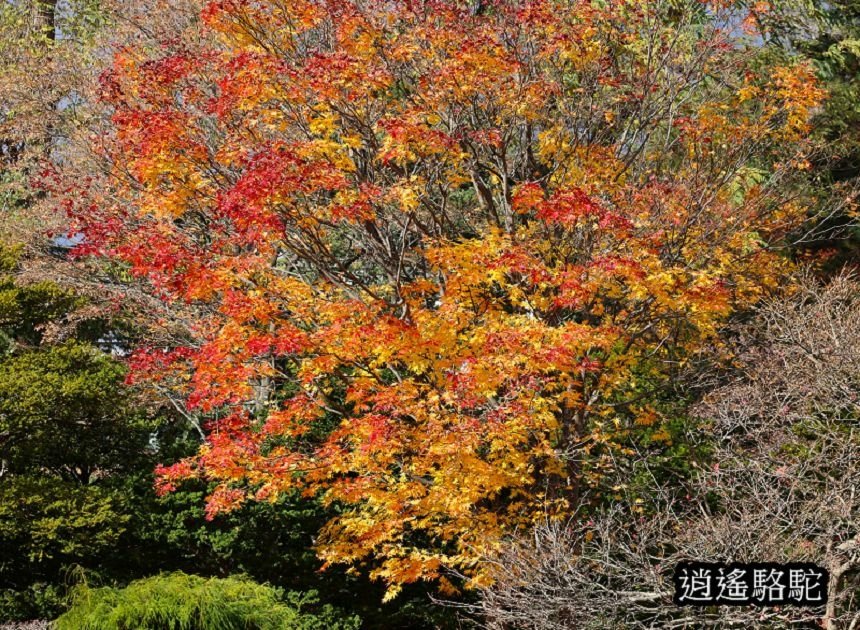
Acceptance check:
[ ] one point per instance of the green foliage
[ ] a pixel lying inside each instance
(835, 50)
(26, 309)
(67, 395)
(37, 600)
(65, 429)
(46, 526)
(45, 519)
(270, 542)
(189, 602)
(68, 428)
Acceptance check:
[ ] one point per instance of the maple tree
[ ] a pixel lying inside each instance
(435, 259)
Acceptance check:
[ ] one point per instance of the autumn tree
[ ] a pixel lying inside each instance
(433, 261)
(77, 445)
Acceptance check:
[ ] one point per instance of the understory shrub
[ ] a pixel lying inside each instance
(178, 601)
